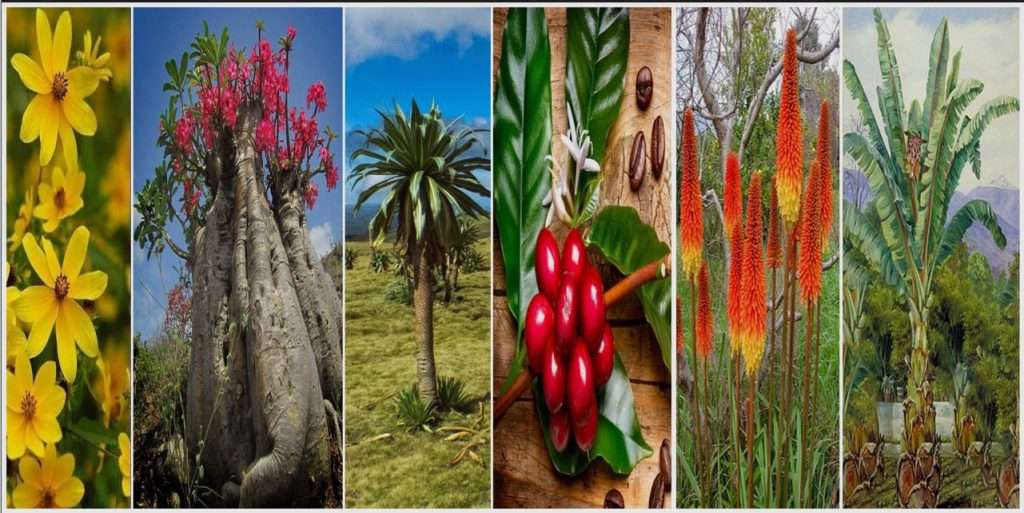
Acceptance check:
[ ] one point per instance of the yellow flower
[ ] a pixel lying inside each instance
(24, 219)
(124, 462)
(111, 383)
(55, 302)
(60, 198)
(90, 56)
(32, 408)
(59, 108)
(16, 340)
(49, 483)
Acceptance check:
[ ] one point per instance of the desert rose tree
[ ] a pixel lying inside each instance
(240, 167)
(424, 169)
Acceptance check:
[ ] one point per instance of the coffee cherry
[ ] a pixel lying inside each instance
(603, 357)
(540, 327)
(566, 313)
(553, 378)
(560, 430)
(581, 381)
(585, 429)
(592, 312)
(547, 265)
(574, 256)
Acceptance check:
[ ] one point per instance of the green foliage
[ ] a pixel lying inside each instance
(399, 290)
(351, 256)
(452, 394)
(380, 261)
(413, 413)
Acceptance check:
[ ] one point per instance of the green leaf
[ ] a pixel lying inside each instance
(94, 432)
(974, 210)
(629, 244)
(619, 441)
(891, 98)
(597, 51)
(935, 95)
(522, 139)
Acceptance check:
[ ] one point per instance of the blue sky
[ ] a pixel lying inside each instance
(164, 33)
(396, 54)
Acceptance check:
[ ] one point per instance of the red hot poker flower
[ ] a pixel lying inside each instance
(824, 159)
(774, 252)
(788, 144)
(732, 194)
(754, 308)
(691, 222)
(810, 239)
(733, 299)
(705, 331)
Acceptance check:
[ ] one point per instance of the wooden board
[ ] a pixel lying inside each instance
(523, 475)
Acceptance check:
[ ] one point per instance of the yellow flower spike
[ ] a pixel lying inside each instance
(16, 339)
(59, 108)
(49, 482)
(32, 408)
(56, 302)
(24, 219)
(125, 464)
(60, 198)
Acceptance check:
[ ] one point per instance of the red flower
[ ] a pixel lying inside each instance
(824, 160)
(330, 170)
(291, 33)
(312, 191)
(183, 133)
(754, 309)
(265, 138)
(774, 252)
(317, 95)
(704, 319)
(691, 210)
(735, 282)
(810, 239)
(732, 195)
(788, 144)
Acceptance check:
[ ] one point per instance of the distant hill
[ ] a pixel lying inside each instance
(357, 225)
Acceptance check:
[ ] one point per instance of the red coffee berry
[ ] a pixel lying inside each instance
(603, 357)
(585, 429)
(547, 265)
(539, 328)
(566, 313)
(581, 381)
(592, 310)
(553, 378)
(574, 256)
(560, 430)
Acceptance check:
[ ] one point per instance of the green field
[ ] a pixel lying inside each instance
(411, 469)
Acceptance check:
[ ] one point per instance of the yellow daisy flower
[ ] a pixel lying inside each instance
(125, 464)
(111, 383)
(16, 340)
(24, 219)
(32, 408)
(59, 108)
(90, 56)
(55, 302)
(49, 483)
(60, 198)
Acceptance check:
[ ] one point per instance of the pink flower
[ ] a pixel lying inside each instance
(330, 168)
(317, 95)
(265, 135)
(183, 133)
(311, 193)
(291, 33)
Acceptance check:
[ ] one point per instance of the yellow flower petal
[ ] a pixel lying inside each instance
(74, 255)
(33, 118)
(23, 374)
(33, 443)
(89, 286)
(47, 429)
(45, 41)
(13, 393)
(29, 469)
(82, 81)
(31, 73)
(46, 378)
(70, 494)
(41, 330)
(37, 259)
(68, 144)
(51, 258)
(57, 178)
(26, 496)
(66, 352)
(81, 327)
(45, 193)
(15, 437)
(51, 402)
(34, 302)
(74, 183)
(62, 43)
(49, 124)
(79, 114)
(61, 468)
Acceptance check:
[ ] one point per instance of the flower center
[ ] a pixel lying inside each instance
(60, 86)
(48, 498)
(61, 286)
(58, 199)
(28, 406)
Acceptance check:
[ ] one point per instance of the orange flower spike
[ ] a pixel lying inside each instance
(732, 194)
(788, 143)
(705, 331)
(754, 307)
(774, 252)
(824, 160)
(733, 300)
(691, 222)
(810, 239)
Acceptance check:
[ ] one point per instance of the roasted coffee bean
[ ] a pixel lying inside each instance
(614, 500)
(657, 500)
(644, 88)
(657, 148)
(665, 461)
(637, 162)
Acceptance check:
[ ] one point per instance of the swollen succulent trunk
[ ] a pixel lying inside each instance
(265, 363)
(426, 370)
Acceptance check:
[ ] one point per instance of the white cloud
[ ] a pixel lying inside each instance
(989, 53)
(321, 238)
(399, 32)
(479, 122)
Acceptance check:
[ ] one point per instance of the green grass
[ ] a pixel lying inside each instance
(411, 469)
(824, 453)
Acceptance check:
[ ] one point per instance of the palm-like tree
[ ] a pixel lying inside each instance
(913, 164)
(425, 168)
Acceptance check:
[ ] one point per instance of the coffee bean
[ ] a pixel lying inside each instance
(644, 88)
(657, 148)
(637, 162)
(614, 500)
(657, 499)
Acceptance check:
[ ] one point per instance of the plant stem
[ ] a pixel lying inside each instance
(698, 429)
(653, 271)
(750, 440)
(737, 378)
(805, 391)
(770, 436)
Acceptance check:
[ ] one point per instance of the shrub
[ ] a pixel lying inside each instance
(351, 256)
(451, 394)
(412, 412)
(399, 291)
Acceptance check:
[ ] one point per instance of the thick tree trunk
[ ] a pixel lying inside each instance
(255, 412)
(423, 299)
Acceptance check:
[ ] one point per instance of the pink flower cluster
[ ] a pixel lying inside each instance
(183, 133)
(177, 316)
(330, 170)
(312, 191)
(317, 95)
